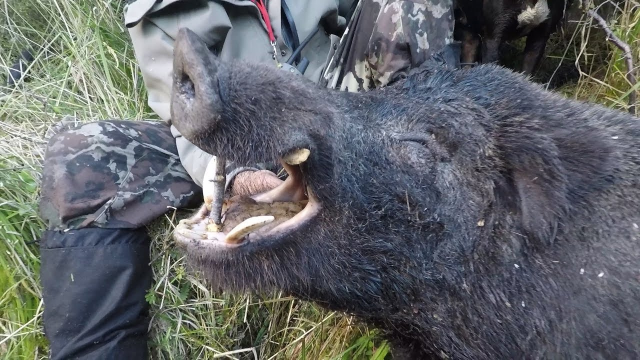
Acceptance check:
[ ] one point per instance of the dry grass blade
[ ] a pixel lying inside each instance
(626, 49)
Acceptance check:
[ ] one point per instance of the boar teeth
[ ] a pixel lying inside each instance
(297, 157)
(248, 226)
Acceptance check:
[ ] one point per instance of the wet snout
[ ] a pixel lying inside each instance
(195, 102)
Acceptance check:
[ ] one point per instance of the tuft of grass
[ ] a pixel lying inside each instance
(20, 297)
(608, 84)
(85, 68)
(580, 62)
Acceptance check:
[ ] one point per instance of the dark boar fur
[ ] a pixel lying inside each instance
(468, 214)
(482, 27)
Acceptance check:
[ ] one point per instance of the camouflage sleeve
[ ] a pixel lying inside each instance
(385, 39)
(113, 174)
(406, 33)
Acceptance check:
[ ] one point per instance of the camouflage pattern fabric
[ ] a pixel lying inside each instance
(113, 174)
(384, 39)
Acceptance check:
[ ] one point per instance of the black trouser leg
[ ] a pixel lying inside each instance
(94, 286)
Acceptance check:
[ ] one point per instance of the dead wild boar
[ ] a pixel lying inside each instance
(482, 26)
(468, 214)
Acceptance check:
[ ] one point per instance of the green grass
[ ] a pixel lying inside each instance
(85, 68)
(20, 304)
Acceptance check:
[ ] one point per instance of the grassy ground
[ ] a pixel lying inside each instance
(85, 68)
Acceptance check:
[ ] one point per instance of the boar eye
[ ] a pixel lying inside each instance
(427, 140)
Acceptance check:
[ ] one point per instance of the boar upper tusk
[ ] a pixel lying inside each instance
(297, 156)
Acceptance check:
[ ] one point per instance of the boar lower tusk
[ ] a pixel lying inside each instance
(246, 227)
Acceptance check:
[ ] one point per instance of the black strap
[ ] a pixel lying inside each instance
(352, 10)
(289, 31)
(296, 53)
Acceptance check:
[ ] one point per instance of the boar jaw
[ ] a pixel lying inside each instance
(279, 215)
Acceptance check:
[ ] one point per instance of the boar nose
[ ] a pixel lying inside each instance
(194, 97)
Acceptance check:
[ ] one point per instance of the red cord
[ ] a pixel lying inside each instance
(265, 17)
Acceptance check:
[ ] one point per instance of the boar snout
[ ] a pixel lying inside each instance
(195, 102)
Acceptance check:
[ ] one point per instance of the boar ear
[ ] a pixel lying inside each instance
(538, 181)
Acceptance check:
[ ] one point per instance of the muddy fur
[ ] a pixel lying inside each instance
(468, 214)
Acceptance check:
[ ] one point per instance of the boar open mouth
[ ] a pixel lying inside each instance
(247, 219)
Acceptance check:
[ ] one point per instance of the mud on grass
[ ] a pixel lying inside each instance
(85, 68)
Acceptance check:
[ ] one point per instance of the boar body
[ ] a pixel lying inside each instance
(466, 213)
